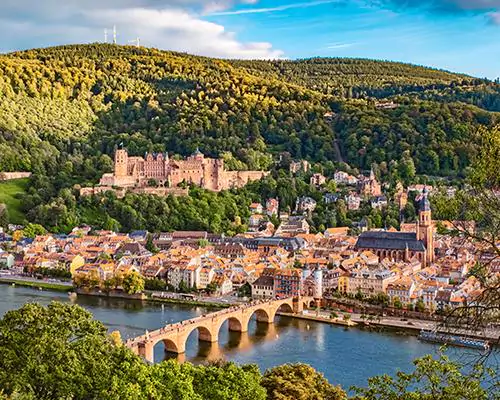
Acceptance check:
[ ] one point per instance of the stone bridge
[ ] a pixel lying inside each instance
(174, 336)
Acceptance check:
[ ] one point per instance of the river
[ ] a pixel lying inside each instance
(346, 357)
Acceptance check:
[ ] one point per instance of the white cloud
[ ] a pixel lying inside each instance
(175, 29)
(274, 9)
(165, 24)
(334, 46)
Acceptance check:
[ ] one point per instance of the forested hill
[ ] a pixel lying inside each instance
(71, 105)
(355, 78)
(338, 75)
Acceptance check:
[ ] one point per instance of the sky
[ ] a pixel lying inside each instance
(457, 35)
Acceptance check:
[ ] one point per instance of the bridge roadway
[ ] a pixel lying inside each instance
(174, 336)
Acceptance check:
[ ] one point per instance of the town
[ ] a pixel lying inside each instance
(413, 269)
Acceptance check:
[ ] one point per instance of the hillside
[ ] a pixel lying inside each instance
(9, 192)
(63, 110)
(331, 75)
(58, 99)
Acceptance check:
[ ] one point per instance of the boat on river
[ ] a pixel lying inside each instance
(453, 340)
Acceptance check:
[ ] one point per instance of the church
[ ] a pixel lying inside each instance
(404, 246)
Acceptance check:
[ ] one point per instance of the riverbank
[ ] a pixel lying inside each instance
(196, 303)
(37, 284)
(410, 326)
(333, 321)
(68, 287)
(149, 297)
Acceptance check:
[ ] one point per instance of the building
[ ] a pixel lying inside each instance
(256, 208)
(330, 198)
(425, 228)
(299, 166)
(160, 170)
(305, 204)
(379, 202)
(223, 284)
(402, 289)
(369, 186)
(287, 283)
(263, 287)
(353, 201)
(403, 246)
(292, 226)
(317, 180)
(369, 281)
(6, 260)
(344, 178)
(397, 246)
(272, 207)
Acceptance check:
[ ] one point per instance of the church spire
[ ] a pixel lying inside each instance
(425, 204)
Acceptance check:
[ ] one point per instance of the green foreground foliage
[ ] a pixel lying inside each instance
(60, 352)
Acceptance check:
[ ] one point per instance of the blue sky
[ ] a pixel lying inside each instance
(459, 35)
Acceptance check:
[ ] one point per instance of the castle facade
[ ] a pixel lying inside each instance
(208, 173)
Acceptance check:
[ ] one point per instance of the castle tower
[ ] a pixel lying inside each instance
(425, 231)
(121, 163)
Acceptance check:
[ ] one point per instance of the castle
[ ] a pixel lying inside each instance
(159, 170)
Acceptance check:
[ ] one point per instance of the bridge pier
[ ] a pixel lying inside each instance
(146, 351)
(298, 305)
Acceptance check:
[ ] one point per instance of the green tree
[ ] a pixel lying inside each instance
(155, 284)
(133, 283)
(432, 379)
(299, 382)
(396, 302)
(183, 287)
(150, 246)
(32, 230)
(420, 305)
(231, 381)
(4, 215)
(58, 352)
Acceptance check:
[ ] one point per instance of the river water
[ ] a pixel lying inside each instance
(346, 357)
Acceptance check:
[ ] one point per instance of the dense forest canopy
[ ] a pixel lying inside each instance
(63, 110)
(86, 99)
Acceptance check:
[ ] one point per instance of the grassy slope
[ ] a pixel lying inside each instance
(8, 192)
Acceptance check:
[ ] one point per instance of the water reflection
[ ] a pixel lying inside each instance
(231, 343)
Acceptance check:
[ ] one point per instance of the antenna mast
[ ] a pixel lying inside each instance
(136, 41)
(105, 35)
(114, 34)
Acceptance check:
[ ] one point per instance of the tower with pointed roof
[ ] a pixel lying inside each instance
(425, 230)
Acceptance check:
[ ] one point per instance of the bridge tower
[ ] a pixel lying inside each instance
(298, 305)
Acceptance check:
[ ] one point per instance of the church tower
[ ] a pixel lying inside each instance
(425, 229)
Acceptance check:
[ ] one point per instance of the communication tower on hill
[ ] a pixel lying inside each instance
(114, 34)
(105, 35)
(136, 42)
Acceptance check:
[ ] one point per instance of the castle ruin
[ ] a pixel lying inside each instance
(208, 173)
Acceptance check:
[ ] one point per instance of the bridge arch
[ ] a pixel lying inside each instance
(204, 334)
(285, 307)
(262, 315)
(309, 303)
(235, 323)
(170, 346)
